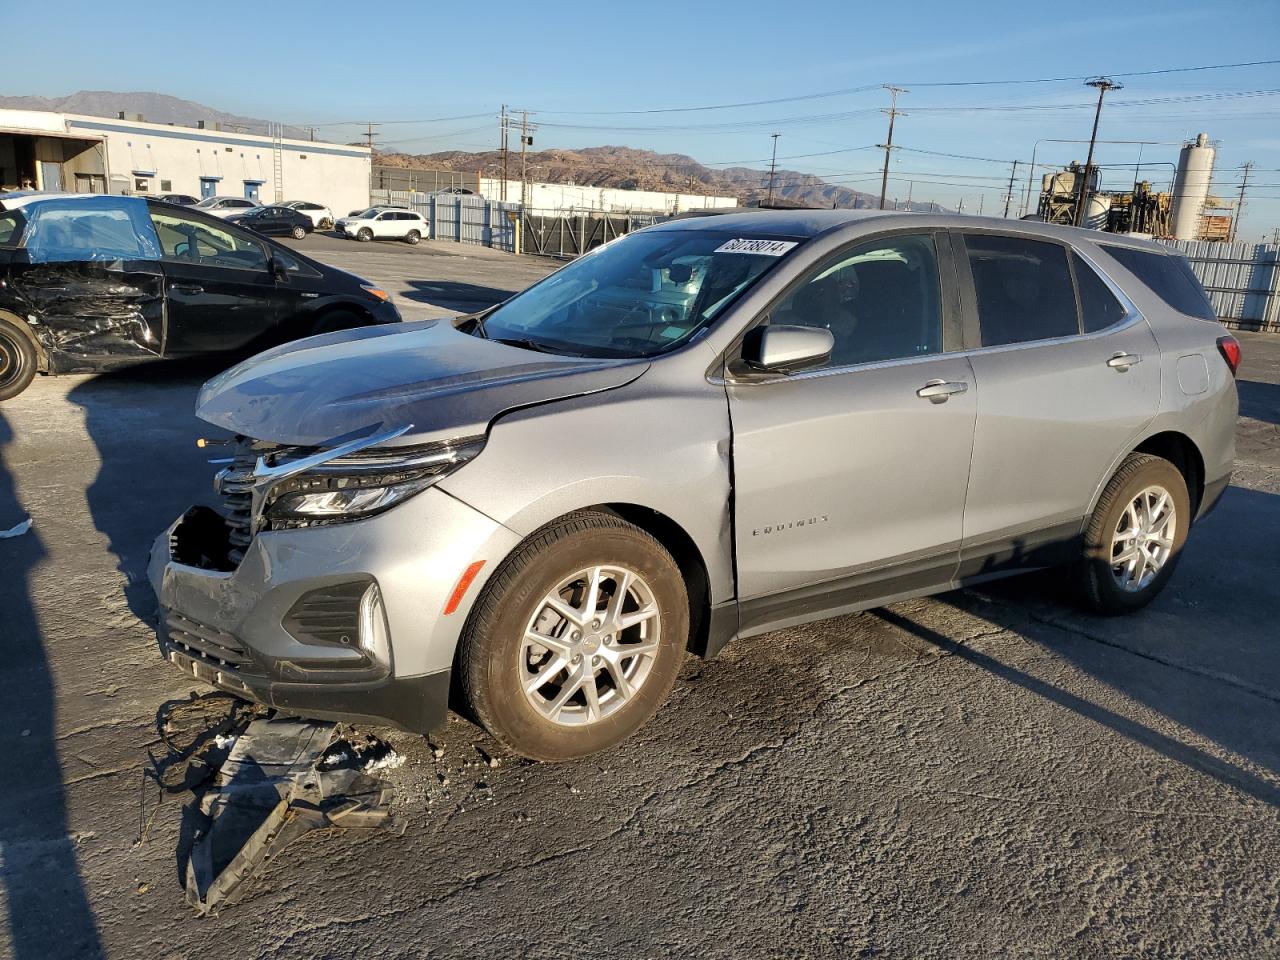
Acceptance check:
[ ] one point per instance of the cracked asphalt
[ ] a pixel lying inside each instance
(984, 773)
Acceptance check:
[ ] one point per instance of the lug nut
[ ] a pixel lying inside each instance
(595, 624)
(577, 658)
(577, 635)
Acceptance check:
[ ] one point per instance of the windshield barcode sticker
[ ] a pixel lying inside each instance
(764, 248)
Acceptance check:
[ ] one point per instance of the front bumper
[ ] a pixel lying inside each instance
(229, 629)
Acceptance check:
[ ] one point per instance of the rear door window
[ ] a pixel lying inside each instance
(10, 228)
(98, 228)
(1099, 307)
(1170, 278)
(1024, 289)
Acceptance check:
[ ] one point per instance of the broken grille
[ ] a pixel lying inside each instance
(217, 648)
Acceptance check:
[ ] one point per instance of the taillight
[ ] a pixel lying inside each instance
(1229, 347)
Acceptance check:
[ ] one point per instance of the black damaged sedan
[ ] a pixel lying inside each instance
(91, 282)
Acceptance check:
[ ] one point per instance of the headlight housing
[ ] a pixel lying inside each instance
(363, 484)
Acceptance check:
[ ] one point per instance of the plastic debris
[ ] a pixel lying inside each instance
(17, 531)
(273, 789)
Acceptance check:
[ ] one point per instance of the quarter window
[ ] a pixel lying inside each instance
(187, 240)
(1024, 289)
(1170, 277)
(880, 300)
(1099, 307)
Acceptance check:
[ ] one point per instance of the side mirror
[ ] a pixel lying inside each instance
(787, 349)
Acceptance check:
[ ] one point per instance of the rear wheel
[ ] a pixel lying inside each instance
(1135, 535)
(365, 234)
(577, 639)
(17, 359)
(298, 232)
(413, 236)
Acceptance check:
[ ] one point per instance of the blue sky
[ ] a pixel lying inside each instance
(580, 66)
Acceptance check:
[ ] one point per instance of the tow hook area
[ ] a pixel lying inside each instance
(280, 780)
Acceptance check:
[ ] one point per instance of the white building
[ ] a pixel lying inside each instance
(559, 197)
(62, 151)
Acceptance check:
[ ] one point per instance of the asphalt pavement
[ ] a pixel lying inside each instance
(985, 773)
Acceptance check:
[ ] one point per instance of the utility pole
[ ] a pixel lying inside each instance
(1102, 85)
(773, 166)
(1008, 197)
(503, 148)
(1244, 183)
(960, 209)
(369, 134)
(893, 112)
(525, 140)
(982, 199)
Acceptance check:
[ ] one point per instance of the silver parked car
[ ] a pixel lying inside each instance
(711, 428)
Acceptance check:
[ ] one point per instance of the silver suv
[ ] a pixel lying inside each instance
(708, 429)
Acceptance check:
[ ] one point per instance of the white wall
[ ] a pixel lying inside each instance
(561, 196)
(335, 175)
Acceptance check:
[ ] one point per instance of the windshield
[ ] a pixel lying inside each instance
(366, 214)
(641, 295)
(208, 202)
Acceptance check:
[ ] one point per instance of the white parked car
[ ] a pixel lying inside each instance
(226, 206)
(320, 215)
(384, 223)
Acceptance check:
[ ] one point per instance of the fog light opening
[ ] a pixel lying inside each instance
(375, 636)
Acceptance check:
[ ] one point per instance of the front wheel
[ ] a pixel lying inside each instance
(17, 360)
(1135, 535)
(298, 233)
(412, 237)
(576, 640)
(365, 235)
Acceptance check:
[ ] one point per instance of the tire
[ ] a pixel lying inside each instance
(496, 659)
(325, 224)
(1132, 500)
(334, 321)
(364, 235)
(412, 237)
(298, 232)
(17, 359)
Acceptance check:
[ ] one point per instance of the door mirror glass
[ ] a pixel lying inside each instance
(786, 349)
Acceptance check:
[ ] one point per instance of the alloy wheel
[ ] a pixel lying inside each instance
(1143, 539)
(590, 645)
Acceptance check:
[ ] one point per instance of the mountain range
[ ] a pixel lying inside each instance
(626, 168)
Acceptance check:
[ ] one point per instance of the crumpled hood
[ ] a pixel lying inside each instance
(428, 374)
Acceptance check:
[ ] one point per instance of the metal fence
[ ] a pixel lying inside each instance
(1243, 280)
(462, 218)
(568, 234)
(552, 233)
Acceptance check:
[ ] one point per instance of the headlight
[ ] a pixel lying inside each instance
(378, 292)
(363, 484)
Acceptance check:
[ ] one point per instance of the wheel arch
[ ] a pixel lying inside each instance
(688, 557)
(1180, 450)
(1174, 446)
(42, 356)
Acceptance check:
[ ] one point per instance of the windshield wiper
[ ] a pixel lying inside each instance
(526, 344)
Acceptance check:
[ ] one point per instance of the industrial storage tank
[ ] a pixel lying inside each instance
(1191, 186)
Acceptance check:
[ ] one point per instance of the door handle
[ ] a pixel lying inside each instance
(192, 289)
(1123, 361)
(938, 391)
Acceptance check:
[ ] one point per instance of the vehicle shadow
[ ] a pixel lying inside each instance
(1259, 401)
(49, 912)
(149, 468)
(1184, 657)
(457, 296)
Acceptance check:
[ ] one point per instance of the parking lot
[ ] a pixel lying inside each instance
(984, 773)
